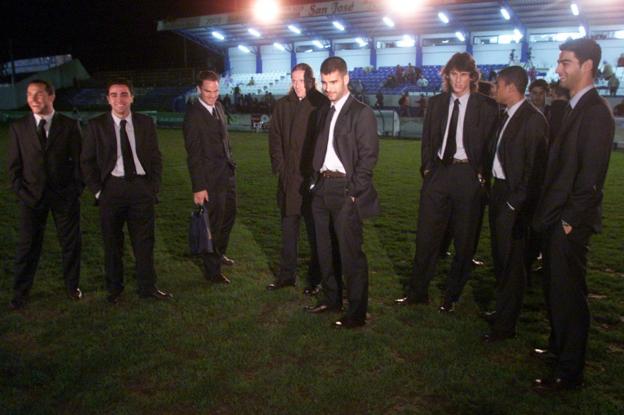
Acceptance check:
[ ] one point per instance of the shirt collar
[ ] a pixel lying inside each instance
(463, 100)
(208, 107)
(47, 118)
(512, 110)
(577, 97)
(340, 103)
(117, 120)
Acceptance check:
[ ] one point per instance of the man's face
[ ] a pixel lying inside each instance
(120, 99)
(335, 85)
(39, 101)
(209, 91)
(503, 91)
(459, 81)
(570, 70)
(538, 96)
(298, 83)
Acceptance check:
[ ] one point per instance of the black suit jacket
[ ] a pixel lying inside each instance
(357, 146)
(578, 159)
(57, 166)
(479, 131)
(208, 148)
(522, 153)
(99, 154)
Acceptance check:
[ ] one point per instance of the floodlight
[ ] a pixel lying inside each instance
(361, 41)
(254, 32)
(443, 17)
(338, 25)
(582, 31)
(460, 36)
(517, 35)
(294, 29)
(279, 46)
(505, 13)
(388, 21)
(619, 34)
(244, 49)
(404, 6)
(218, 35)
(266, 11)
(318, 44)
(574, 8)
(406, 42)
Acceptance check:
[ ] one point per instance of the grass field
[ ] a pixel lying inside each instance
(243, 350)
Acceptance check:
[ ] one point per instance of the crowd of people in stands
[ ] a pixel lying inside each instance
(248, 103)
(410, 75)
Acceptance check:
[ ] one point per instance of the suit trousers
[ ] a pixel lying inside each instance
(565, 262)
(290, 239)
(66, 214)
(451, 195)
(508, 231)
(128, 202)
(334, 211)
(222, 214)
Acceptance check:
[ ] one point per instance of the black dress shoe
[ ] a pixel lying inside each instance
(114, 296)
(321, 308)
(447, 307)
(495, 337)
(157, 294)
(227, 261)
(219, 279)
(477, 262)
(75, 294)
(348, 323)
(546, 385)
(18, 302)
(411, 300)
(488, 316)
(280, 284)
(544, 354)
(312, 290)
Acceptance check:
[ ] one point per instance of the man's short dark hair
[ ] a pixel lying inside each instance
(120, 81)
(207, 76)
(561, 92)
(463, 62)
(332, 64)
(515, 75)
(48, 86)
(584, 48)
(539, 83)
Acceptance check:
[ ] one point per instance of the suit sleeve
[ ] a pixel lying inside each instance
(595, 140)
(88, 159)
(367, 143)
(275, 141)
(534, 152)
(192, 143)
(426, 151)
(14, 163)
(155, 156)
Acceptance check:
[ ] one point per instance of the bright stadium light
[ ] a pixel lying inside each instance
(406, 42)
(361, 41)
(443, 17)
(404, 6)
(254, 32)
(279, 46)
(388, 21)
(582, 31)
(619, 34)
(243, 49)
(460, 36)
(517, 35)
(266, 11)
(218, 35)
(318, 44)
(505, 13)
(574, 8)
(338, 25)
(294, 29)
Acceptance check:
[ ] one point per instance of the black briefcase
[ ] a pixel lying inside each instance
(200, 237)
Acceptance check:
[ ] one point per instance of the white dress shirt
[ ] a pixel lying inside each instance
(460, 152)
(118, 171)
(48, 120)
(332, 162)
(211, 108)
(497, 168)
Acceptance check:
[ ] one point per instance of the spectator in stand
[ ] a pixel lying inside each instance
(226, 102)
(538, 90)
(410, 74)
(379, 103)
(422, 83)
(607, 71)
(422, 105)
(618, 110)
(251, 82)
(620, 61)
(404, 108)
(613, 84)
(398, 74)
(390, 82)
(492, 76)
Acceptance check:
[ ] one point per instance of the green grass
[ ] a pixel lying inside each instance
(243, 350)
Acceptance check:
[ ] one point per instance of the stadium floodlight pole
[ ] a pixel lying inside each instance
(520, 31)
(373, 53)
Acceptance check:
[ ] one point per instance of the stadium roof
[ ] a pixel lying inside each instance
(364, 19)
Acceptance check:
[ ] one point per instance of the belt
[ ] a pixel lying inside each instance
(460, 161)
(328, 174)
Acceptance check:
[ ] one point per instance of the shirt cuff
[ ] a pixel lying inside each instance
(510, 207)
(97, 195)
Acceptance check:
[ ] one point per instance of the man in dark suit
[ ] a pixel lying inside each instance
(44, 171)
(569, 210)
(457, 135)
(291, 147)
(212, 168)
(122, 166)
(519, 159)
(346, 153)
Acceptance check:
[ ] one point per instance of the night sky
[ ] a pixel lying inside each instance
(105, 35)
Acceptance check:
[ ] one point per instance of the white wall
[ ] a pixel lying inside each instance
(241, 62)
(611, 50)
(314, 59)
(495, 54)
(274, 60)
(439, 55)
(356, 57)
(396, 56)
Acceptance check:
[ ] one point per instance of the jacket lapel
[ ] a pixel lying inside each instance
(139, 139)
(443, 119)
(338, 127)
(573, 115)
(32, 126)
(55, 130)
(513, 126)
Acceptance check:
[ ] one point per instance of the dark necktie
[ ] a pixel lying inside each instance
(451, 145)
(126, 151)
(41, 133)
